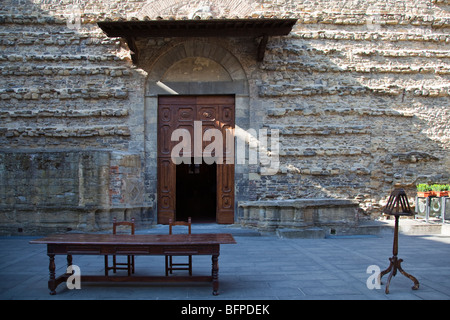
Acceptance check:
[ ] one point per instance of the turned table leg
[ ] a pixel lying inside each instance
(215, 274)
(52, 279)
(69, 260)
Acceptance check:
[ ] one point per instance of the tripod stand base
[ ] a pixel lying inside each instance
(395, 264)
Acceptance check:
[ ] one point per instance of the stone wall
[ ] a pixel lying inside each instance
(59, 191)
(62, 87)
(359, 92)
(361, 99)
(71, 98)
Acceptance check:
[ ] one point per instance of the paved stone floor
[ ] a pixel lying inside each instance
(256, 268)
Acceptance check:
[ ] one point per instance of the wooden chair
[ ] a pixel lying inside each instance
(129, 265)
(170, 265)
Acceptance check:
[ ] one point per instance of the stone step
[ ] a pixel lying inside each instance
(309, 233)
(416, 227)
(367, 228)
(364, 229)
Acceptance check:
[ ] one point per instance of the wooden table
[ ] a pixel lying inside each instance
(108, 244)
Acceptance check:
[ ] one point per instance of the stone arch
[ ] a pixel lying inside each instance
(191, 49)
(194, 69)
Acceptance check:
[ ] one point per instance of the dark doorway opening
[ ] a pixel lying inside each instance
(196, 192)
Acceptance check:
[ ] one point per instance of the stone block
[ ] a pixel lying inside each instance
(297, 213)
(50, 191)
(308, 233)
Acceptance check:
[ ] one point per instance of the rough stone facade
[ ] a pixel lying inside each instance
(359, 92)
(50, 191)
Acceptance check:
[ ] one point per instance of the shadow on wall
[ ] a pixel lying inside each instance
(359, 112)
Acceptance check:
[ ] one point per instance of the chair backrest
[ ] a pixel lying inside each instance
(123, 223)
(180, 223)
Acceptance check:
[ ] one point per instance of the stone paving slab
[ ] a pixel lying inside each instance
(256, 268)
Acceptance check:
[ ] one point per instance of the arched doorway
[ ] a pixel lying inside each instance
(194, 81)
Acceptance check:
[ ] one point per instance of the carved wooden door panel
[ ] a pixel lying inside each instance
(225, 194)
(166, 190)
(225, 171)
(217, 112)
(214, 112)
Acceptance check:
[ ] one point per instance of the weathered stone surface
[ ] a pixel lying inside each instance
(307, 233)
(359, 92)
(298, 213)
(56, 191)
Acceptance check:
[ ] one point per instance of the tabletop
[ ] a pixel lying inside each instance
(138, 239)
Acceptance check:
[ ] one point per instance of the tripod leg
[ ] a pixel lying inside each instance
(403, 272)
(393, 269)
(393, 272)
(382, 273)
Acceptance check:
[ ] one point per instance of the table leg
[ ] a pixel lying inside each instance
(215, 274)
(69, 260)
(52, 279)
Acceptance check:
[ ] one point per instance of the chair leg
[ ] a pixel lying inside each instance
(167, 266)
(190, 265)
(170, 264)
(106, 265)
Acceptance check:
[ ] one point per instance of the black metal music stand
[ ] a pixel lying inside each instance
(398, 200)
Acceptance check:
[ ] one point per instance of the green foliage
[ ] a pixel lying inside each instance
(436, 187)
(423, 187)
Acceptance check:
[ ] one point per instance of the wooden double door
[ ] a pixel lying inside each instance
(196, 115)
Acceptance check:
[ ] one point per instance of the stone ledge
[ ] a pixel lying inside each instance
(287, 90)
(325, 130)
(101, 131)
(300, 203)
(12, 57)
(309, 233)
(85, 93)
(297, 50)
(370, 36)
(270, 215)
(38, 70)
(323, 151)
(300, 66)
(63, 113)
